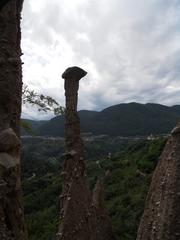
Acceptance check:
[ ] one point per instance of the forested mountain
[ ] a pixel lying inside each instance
(31, 124)
(129, 119)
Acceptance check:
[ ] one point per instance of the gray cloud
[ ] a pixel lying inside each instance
(131, 49)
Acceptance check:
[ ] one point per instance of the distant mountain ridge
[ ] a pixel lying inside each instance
(33, 124)
(127, 119)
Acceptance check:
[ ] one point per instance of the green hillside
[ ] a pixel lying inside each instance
(129, 173)
(32, 125)
(129, 119)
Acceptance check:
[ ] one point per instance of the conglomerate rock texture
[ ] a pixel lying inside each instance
(3, 3)
(161, 218)
(12, 225)
(81, 216)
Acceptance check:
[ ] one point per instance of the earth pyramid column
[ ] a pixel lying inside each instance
(12, 224)
(78, 219)
(161, 218)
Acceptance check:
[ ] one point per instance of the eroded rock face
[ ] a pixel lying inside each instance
(8, 140)
(12, 224)
(80, 219)
(161, 218)
(3, 3)
(104, 228)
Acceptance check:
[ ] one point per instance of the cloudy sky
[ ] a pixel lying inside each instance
(130, 49)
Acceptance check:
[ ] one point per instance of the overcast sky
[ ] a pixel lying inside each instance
(130, 49)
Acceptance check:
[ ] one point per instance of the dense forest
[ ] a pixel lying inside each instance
(127, 174)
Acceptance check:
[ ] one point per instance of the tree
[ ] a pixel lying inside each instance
(42, 102)
(12, 224)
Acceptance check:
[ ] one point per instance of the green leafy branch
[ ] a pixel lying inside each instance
(43, 103)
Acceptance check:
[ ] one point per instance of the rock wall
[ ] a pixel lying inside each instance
(161, 220)
(12, 225)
